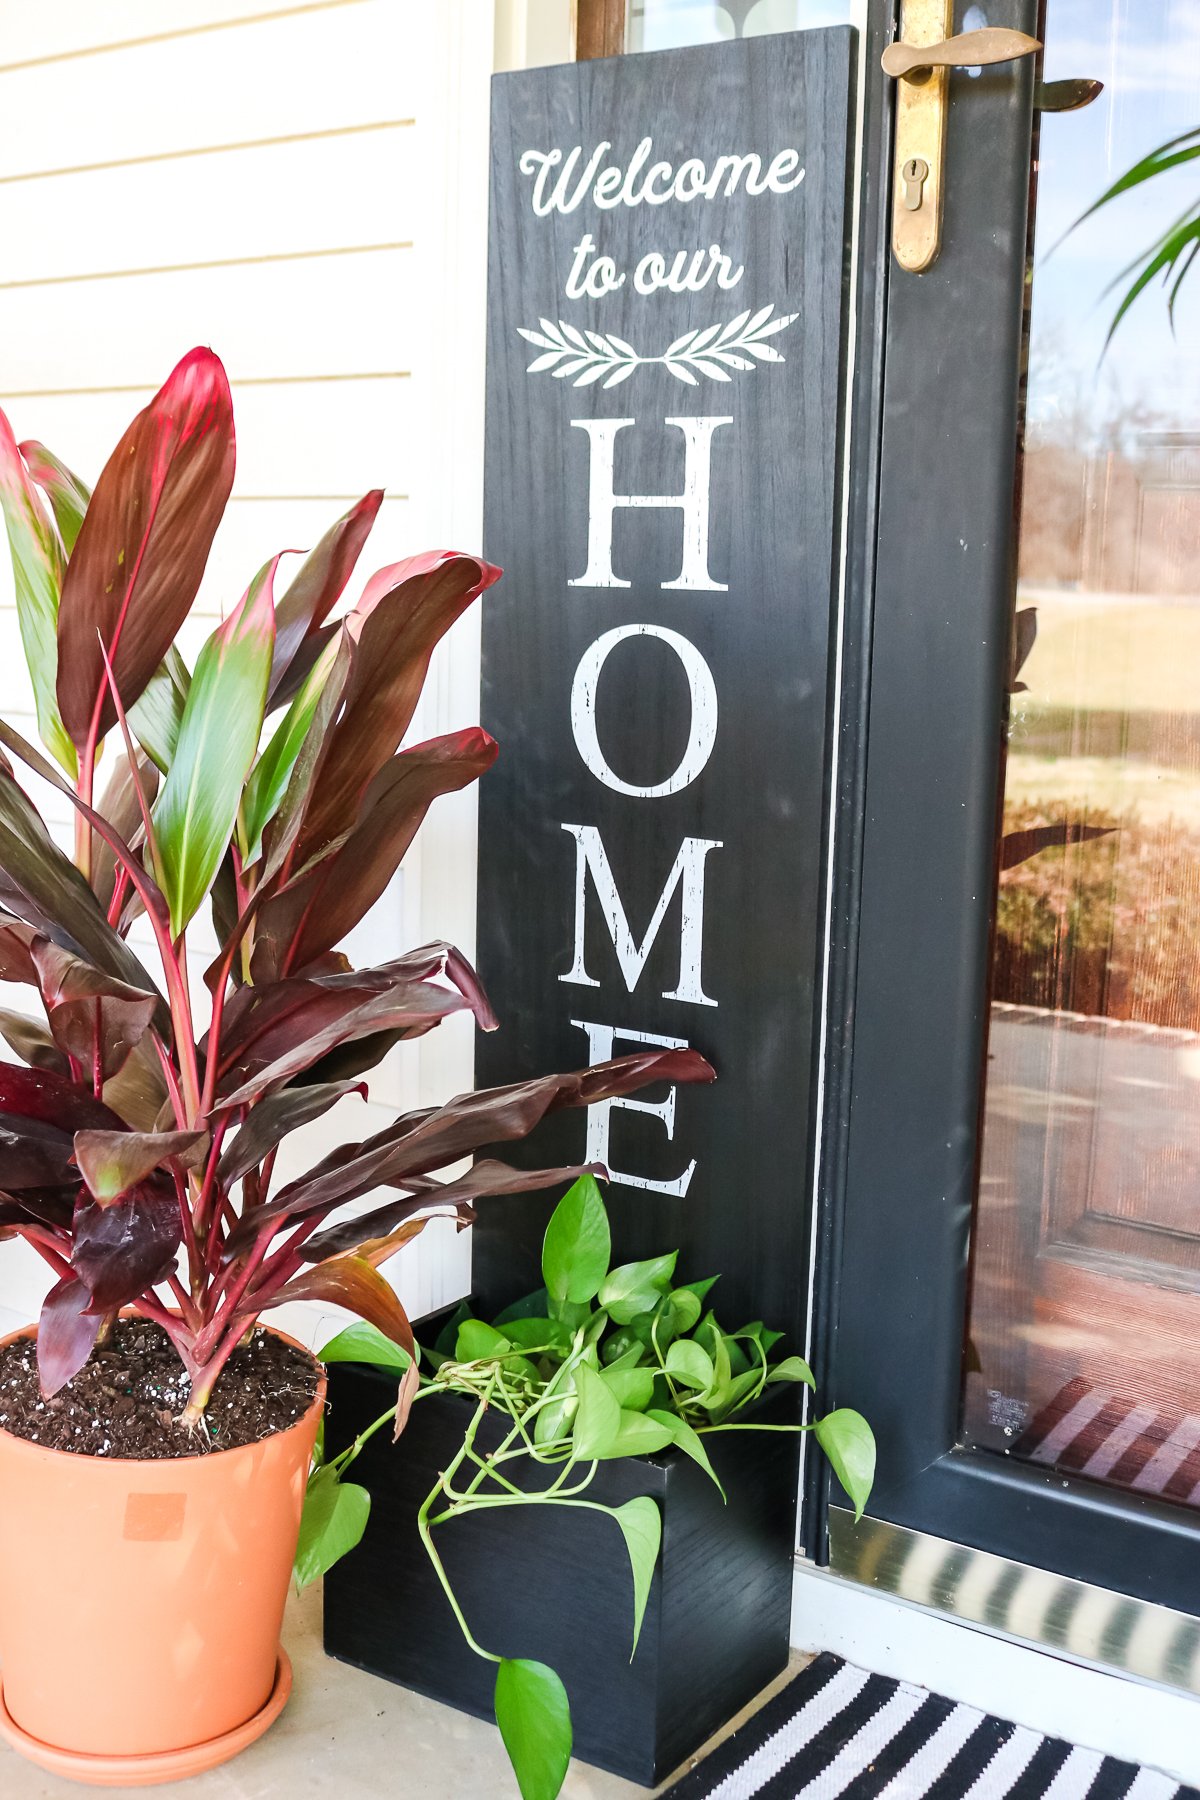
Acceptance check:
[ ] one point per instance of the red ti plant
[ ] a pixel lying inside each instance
(137, 1154)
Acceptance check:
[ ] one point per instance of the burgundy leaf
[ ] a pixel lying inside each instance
(40, 1094)
(395, 640)
(338, 1018)
(263, 1022)
(1018, 846)
(33, 1154)
(16, 963)
(32, 1042)
(321, 581)
(436, 1136)
(319, 909)
(120, 807)
(112, 1162)
(352, 1282)
(123, 1249)
(144, 543)
(138, 1092)
(410, 1384)
(484, 1179)
(66, 1334)
(271, 1120)
(89, 1011)
(43, 887)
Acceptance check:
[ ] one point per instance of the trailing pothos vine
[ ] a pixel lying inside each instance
(599, 1363)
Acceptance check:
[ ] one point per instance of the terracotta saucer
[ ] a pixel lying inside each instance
(160, 1765)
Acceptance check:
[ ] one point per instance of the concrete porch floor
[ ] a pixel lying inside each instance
(351, 1734)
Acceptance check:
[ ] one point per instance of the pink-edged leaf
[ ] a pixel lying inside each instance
(395, 638)
(483, 1180)
(68, 496)
(352, 1282)
(112, 1162)
(320, 908)
(218, 736)
(272, 1120)
(66, 1334)
(436, 1136)
(38, 571)
(144, 543)
(321, 582)
(94, 1017)
(121, 1250)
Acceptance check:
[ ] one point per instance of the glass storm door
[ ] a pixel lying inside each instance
(1010, 1278)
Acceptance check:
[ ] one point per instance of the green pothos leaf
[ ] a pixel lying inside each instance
(641, 1527)
(534, 1716)
(849, 1443)
(332, 1523)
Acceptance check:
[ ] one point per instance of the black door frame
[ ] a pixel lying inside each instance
(932, 537)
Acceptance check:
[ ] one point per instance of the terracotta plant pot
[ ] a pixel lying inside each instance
(141, 1602)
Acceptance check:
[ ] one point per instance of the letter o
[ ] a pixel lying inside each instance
(701, 687)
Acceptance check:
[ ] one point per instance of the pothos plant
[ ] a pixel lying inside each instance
(598, 1363)
(138, 1144)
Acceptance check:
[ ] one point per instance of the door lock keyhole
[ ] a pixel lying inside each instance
(914, 174)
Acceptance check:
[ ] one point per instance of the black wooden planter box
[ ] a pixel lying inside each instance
(554, 1584)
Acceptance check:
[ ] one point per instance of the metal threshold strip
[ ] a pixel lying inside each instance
(1056, 1612)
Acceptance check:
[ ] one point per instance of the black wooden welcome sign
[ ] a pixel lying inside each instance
(665, 301)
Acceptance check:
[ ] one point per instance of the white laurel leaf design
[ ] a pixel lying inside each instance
(584, 357)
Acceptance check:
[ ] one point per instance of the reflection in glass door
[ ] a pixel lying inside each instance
(1083, 1348)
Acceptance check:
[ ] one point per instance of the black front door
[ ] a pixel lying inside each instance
(1012, 1175)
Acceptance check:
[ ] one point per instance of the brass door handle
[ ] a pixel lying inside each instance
(969, 50)
(920, 61)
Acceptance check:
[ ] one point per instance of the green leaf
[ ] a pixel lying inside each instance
(641, 1527)
(638, 1435)
(363, 1343)
(530, 1306)
(535, 1334)
(38, 568)
(598, 1420)
(632, 1388)
(686, 1308)
(273, 770)
(849, 1443)
(477, 1342)
(690, 1364)
(792, 1368)
(701, 1288)
(196, 809)
(333, 1521)
(577, 1244)
(687, 1440)
(158, 714)
(534, 1716)
(637, 1287)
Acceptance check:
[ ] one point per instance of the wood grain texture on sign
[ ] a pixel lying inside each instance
(671, 729)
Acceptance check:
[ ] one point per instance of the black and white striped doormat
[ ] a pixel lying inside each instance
(839, 1733)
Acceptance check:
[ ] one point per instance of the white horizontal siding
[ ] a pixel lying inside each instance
(304, 188)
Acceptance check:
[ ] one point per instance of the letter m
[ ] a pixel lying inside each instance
(591, 858)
